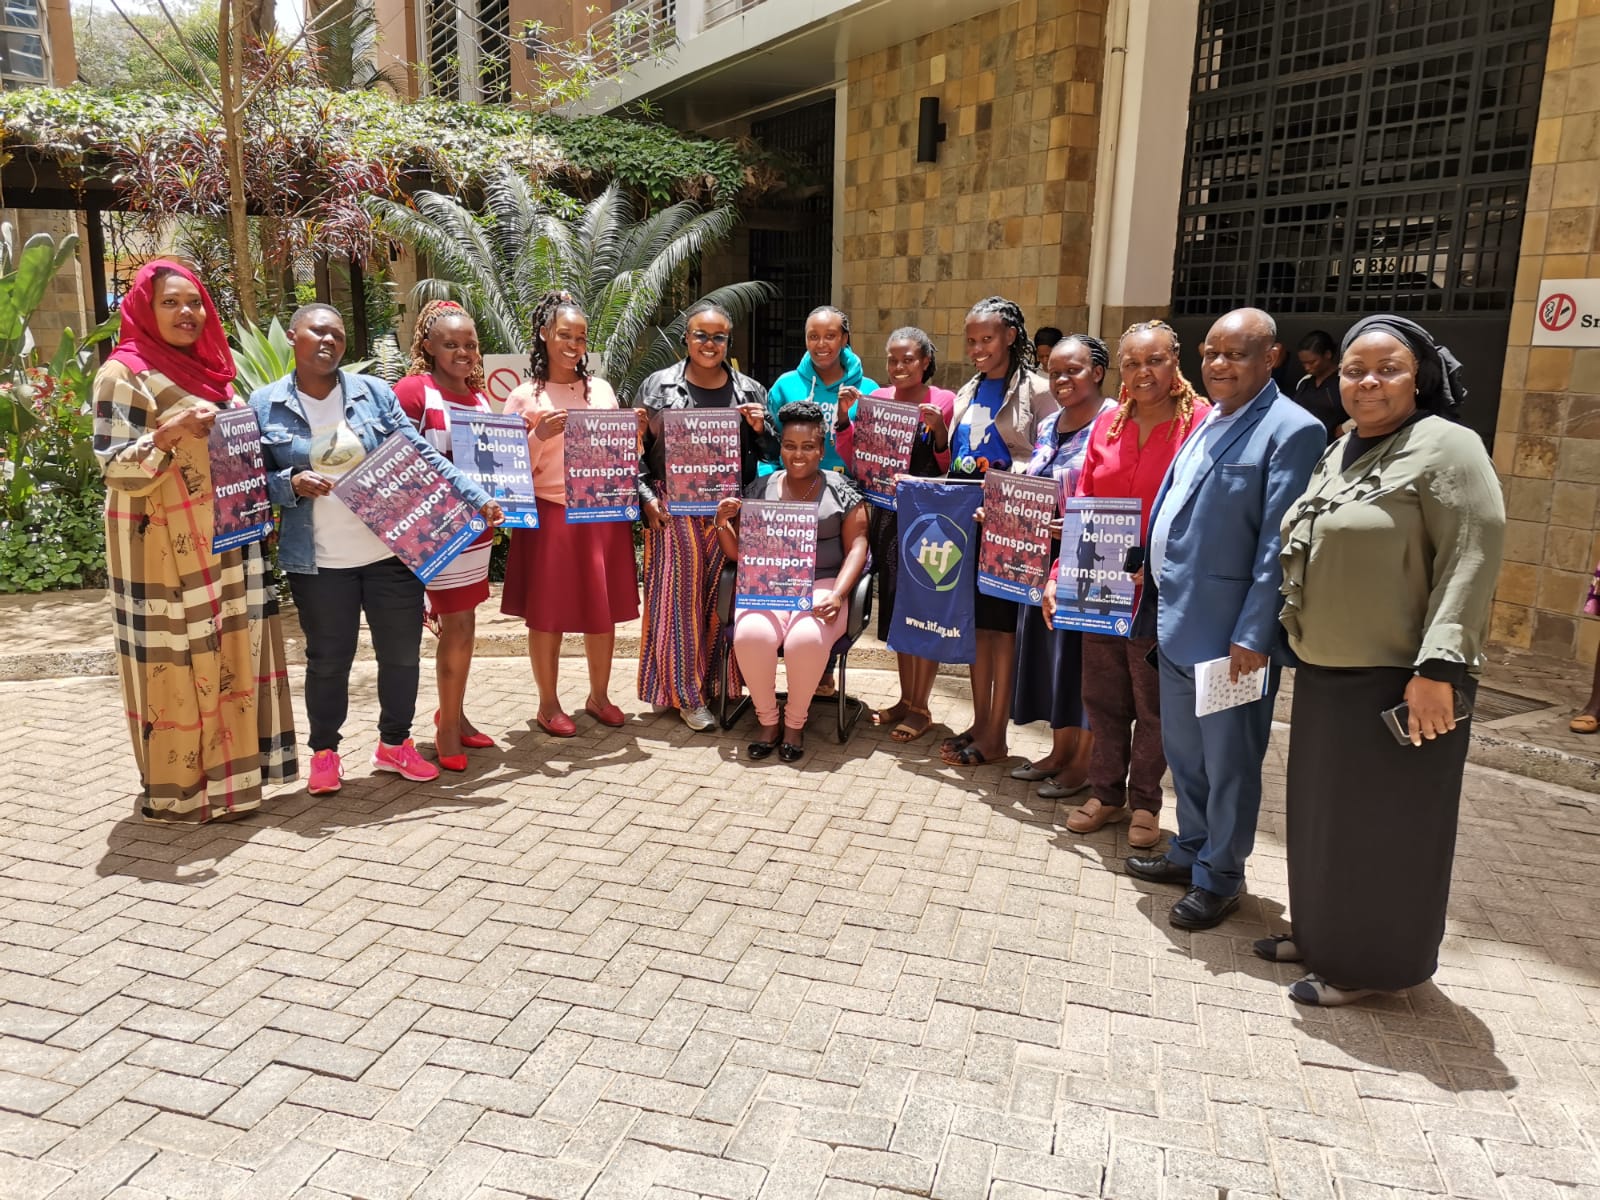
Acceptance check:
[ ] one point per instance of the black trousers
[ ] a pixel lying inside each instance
(330, 605)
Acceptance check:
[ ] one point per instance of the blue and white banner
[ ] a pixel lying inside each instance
(1093, 593)
(935, 595)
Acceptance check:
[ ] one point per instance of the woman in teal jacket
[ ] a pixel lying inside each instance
(829, 373)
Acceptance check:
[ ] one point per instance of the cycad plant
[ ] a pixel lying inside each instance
(629, 272)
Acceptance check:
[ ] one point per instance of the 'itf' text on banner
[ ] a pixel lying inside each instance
(1093, 593)
(885, 432)
(1014, 555)
(492, 451)
(412, 508)
(241, 512)
(602, 453)
(702, 453)
(934, 598)
(777, 555)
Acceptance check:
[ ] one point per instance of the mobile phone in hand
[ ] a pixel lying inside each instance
(1398, 718)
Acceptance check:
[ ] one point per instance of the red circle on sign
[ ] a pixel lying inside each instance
(1558, 311)
(502, 383)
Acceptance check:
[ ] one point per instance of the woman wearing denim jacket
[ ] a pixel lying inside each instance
(316, 424)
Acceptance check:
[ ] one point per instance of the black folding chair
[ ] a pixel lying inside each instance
(848, 710)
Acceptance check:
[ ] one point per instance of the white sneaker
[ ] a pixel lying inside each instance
(698, 719)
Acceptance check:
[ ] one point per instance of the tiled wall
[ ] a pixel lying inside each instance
(1006, 209)
(1547, 448)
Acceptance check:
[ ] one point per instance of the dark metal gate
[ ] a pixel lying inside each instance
(1355, 156)
(791, 243)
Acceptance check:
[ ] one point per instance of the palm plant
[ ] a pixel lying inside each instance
(630, 273)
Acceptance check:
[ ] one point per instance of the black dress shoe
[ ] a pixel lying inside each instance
(756, 751)
(1155, 868)
(789, 752)
(1200, 909)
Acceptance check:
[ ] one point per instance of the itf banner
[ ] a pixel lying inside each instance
(1093, 593)
(934, 595)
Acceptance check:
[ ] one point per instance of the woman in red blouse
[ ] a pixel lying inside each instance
(1129, 452)
(446, 374)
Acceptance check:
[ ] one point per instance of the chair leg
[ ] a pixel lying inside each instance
(849, 710)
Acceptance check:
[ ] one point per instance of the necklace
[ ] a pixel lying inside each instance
(810, 493)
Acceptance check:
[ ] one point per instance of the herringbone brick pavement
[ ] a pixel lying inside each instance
(629, 965)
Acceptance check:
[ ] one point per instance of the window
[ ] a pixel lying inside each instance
(1348, 157)
(24, 58)
(467, 48)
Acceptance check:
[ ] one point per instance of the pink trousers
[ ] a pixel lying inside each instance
(806, 642)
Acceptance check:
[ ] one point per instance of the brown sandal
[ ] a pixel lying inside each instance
(892, 715)
(1584, 723)
(905, 731)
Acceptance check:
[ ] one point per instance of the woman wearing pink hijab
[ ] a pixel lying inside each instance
(199, 647)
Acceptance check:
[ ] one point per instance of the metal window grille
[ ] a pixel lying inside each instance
(1346, 156)
(797, 254)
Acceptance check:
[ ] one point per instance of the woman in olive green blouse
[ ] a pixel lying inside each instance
(1408, 502)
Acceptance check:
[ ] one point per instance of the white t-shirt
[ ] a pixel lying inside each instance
(341, 539)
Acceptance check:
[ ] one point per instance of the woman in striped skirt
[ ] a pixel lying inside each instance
(446, 374)
(681, 637)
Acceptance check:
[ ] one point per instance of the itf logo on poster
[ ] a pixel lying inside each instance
(933, 606)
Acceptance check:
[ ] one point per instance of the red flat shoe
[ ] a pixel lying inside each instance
(560, 726)
(609, 715)
(452, 762)
(470, 741)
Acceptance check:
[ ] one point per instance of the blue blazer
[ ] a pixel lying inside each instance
(1220, 578)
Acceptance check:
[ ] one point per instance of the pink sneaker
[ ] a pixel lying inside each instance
(404, 760)
(326, 772)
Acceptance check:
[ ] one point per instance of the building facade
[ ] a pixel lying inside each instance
(1104, 161)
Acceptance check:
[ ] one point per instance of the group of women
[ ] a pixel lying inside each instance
(201, 652)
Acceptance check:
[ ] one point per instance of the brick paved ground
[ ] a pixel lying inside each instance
(629, 966)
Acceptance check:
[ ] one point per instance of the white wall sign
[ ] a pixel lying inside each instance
(502, 373)
(1568, 313)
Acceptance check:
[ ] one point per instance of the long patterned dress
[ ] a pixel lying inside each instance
(199, 647)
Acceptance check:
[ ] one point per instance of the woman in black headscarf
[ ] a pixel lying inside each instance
(1389, 565)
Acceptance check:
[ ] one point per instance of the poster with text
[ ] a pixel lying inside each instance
(1093, 593)
(885, 432)
(413, 509)
(1014, 551)
(702, 453)
(241, 511)
(602, 453)
(492, 451)
(777, 555)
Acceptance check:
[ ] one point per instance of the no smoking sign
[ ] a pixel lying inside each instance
(1568, 313)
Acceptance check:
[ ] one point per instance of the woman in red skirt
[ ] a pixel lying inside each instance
(446, 374)
(566, 578)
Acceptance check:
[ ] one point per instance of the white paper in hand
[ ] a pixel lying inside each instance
(1214, 691)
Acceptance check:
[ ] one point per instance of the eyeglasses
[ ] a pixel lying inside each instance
(716, 339)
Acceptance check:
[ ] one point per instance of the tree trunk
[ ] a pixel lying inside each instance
(257, 19)
(230, 40)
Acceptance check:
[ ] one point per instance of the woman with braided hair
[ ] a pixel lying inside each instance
(1130, 449)
(565, 578)
(446, 374)
(997, 414)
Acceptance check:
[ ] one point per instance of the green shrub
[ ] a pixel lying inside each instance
(59, 542)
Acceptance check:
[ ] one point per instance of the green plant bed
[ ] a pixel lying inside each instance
(59, 543)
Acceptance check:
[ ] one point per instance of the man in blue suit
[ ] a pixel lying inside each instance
(1212, 579)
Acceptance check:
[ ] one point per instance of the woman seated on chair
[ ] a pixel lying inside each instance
(805, 638)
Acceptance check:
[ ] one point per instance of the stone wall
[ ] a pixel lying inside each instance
(1547, 448)
(1006, 208)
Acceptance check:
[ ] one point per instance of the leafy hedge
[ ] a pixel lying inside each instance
(458, 145)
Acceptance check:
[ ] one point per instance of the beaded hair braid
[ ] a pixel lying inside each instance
(544, 314)
(1183, 393)
(1023, 356)
(421, 362)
